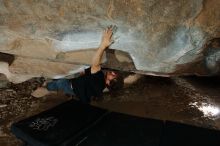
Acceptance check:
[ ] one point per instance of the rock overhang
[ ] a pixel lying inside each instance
(162, 38)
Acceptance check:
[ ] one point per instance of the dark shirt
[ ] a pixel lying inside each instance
(89, 85)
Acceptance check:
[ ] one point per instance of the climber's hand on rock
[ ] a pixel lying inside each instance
(107, 37)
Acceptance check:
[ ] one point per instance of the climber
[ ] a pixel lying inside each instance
(92, 82)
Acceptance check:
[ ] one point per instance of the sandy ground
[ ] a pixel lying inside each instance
(192, 100)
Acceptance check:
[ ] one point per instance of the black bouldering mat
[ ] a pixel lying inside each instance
(76, 124)
(53, 127)
(176, 134)
(117, 129)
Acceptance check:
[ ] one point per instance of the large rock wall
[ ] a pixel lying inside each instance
(161, 37)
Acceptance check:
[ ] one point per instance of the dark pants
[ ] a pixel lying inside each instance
(60, 85)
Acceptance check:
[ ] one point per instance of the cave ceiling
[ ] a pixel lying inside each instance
(55, 38)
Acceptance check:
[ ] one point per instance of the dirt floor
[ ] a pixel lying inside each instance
(192, 100)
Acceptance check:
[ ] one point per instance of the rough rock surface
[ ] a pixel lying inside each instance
(160, 37)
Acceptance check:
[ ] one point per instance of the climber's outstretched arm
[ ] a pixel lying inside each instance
(105, 43)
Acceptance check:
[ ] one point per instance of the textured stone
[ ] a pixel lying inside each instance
(160, 37)
(3, 81)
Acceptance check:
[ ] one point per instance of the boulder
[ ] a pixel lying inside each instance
(160, 37)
